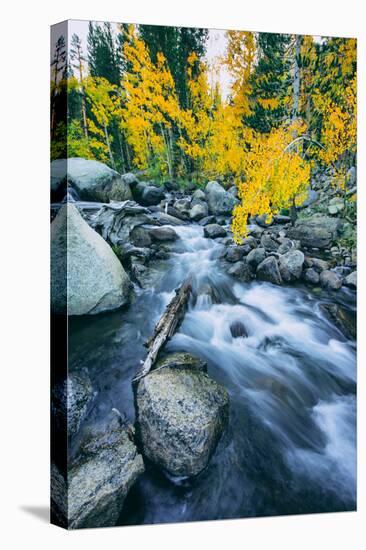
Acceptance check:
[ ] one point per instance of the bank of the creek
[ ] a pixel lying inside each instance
(291, 376)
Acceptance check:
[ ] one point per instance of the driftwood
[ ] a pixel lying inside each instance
(166, 326)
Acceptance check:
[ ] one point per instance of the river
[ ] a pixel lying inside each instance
(290, 446)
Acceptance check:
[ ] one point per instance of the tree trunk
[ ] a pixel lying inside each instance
(296, 79)
(166, 326)
(109, 146)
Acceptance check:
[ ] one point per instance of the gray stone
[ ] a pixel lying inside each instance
(330, 280)
(140, 237)
(151, 195)
(241, 271)
(207, 220)
(219, 201)
(163, 234)
(318, 264)
(290, 265)
(91, 179)
(233, 190)
(351, 280)
(213, 231)
(86, 275)
(235, 253)
(181, 414)
(268, 271)
(71, 401)
(238, 330)
(100, 481)
(198, 211)
(255, 257)
(199, 195)
(311, 276)
(316, 232)
(268, 243)
(183, 206)
(285, 246)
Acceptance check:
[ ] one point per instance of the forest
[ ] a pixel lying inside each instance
(146, 99)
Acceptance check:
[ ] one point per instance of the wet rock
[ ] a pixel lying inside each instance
(99, 481)
(208, 220)
(71, 401)
(238, 330)
(285, 246)
(235, 253)
(213, 231)
(181, 359)
(255, 257)
(343, 318)
(86, 275)
(318, 264)
(91, 179)
(167, 219)
(151, 195)
(311, 276)
(330, 280)
(183, 206)
(140, 237)
(199, 211)
(199, 195)
(181, 414)
(351, 280)
(219, 201)
(241, 271)
(316, 232)
(163, 234)
(268, 243)
(268, 271)
(290, 265)
(255, 231)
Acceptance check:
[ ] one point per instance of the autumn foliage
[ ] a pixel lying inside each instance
(291, 106)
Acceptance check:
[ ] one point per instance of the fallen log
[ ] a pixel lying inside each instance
(166, 326)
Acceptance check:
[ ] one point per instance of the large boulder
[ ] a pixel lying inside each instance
(255, 257)
(86, 275)
(181, 414)
(213, 231)
(92, 180)
(315, 232)
(241, 271)
(99, 482)
(219, 201)
(351, 280)
(268, 271)
(199, 211)
(71, 401)
(330, 280)
(151, 195)
(291, 264)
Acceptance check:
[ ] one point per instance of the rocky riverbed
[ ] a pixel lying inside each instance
(263, 365)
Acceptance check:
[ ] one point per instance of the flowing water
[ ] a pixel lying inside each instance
(290, 445)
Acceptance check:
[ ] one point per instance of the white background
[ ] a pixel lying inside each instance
(24, 273)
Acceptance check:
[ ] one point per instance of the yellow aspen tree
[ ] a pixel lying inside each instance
(239, 59)
(150, 106)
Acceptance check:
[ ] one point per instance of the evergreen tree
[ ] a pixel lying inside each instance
(270, 82)
(103, 59)
(176, 44)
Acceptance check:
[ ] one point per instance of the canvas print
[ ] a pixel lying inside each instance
(203, 274)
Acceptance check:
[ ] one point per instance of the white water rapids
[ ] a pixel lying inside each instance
(290, 445)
